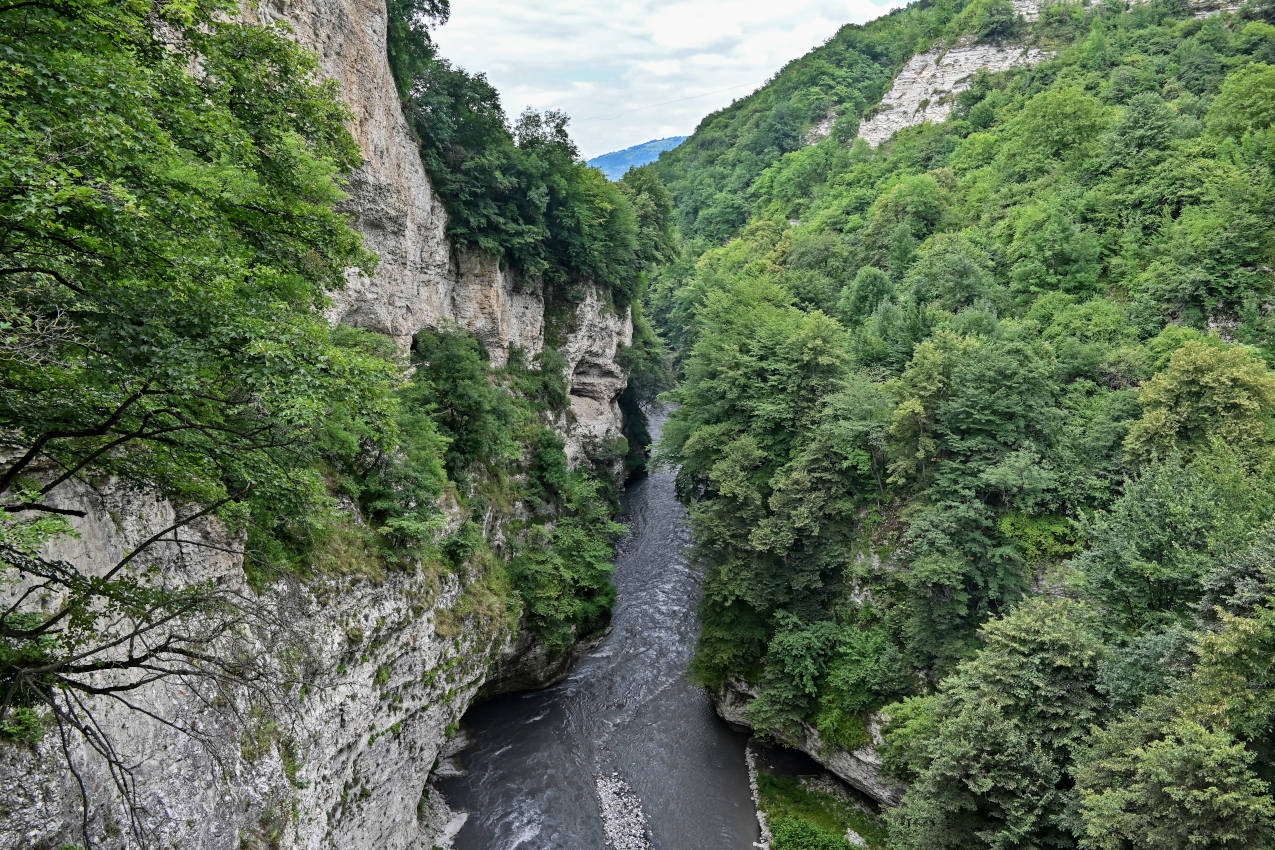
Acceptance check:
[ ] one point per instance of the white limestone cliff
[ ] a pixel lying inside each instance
(926, 89)
(391, 664)
(421, 280)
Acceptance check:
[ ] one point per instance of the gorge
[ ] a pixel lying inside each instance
(324, 396)
(626, 726)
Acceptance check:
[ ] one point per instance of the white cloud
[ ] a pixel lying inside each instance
(632, 70)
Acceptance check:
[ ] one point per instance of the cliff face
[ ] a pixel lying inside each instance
(926, 88)
(421, 280)
(390, 665)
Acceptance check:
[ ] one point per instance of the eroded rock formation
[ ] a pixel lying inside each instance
(926, 88)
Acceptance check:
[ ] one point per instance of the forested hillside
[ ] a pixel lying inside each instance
(826, 92)
(976, 427)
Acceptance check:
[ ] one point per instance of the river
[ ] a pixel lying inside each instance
(627, 724)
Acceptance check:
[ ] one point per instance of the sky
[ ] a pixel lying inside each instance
(628, 71)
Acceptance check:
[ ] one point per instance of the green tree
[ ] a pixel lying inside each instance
(948, 272)
(563, 571)
(517, 192)
(987, 758)
(795, 661)
(1149, 554)
(1057, 123)
(861, 297)
(168, 233)
(1189, 787)
(474, 416)
(1246, 101)
(653, 207)
(1208, 392)
(996, 21)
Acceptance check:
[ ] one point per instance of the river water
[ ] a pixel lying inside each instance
(626, 723)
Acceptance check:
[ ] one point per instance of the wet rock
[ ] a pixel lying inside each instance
(763, 825)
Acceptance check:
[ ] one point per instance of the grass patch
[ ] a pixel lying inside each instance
(347, 549)
(838, 727)
(786, 800)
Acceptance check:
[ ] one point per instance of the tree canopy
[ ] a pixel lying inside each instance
(975, 427)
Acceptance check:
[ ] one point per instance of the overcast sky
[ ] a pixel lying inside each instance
(627, 71)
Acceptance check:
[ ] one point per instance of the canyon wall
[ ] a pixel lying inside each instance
(926, 89)
(389, 662)
(422, 280)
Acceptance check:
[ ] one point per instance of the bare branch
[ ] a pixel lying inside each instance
(36, 506)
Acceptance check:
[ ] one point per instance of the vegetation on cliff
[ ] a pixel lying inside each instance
(711, 174)
(519, 192)
(977, 427)
(166, 239)
(169, 234)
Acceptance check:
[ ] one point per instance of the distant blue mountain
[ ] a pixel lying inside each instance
(614, 164)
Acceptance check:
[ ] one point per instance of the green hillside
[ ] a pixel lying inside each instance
(710, 173)
(976, 427)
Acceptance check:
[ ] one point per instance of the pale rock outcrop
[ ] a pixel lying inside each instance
(420, 280)
(389, 666)
(1029, 9)
(926, 89)
(821, 130)
(594, 376)
(861, 768)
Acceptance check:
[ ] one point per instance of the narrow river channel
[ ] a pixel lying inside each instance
(627, 725)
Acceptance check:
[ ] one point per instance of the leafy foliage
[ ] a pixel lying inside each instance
(169, 236)
(802, 817)
(710, 173)
(518, 192)
(975, 427)
(168, 233)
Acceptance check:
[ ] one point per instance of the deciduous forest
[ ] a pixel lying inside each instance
(976, 426)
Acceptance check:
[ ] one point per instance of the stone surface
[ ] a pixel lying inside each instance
(594, 376)
(390, 666)
(926, 89)
(420, 280)
(860, 768)
(528, 664)
(765, 836)
(623, 819)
